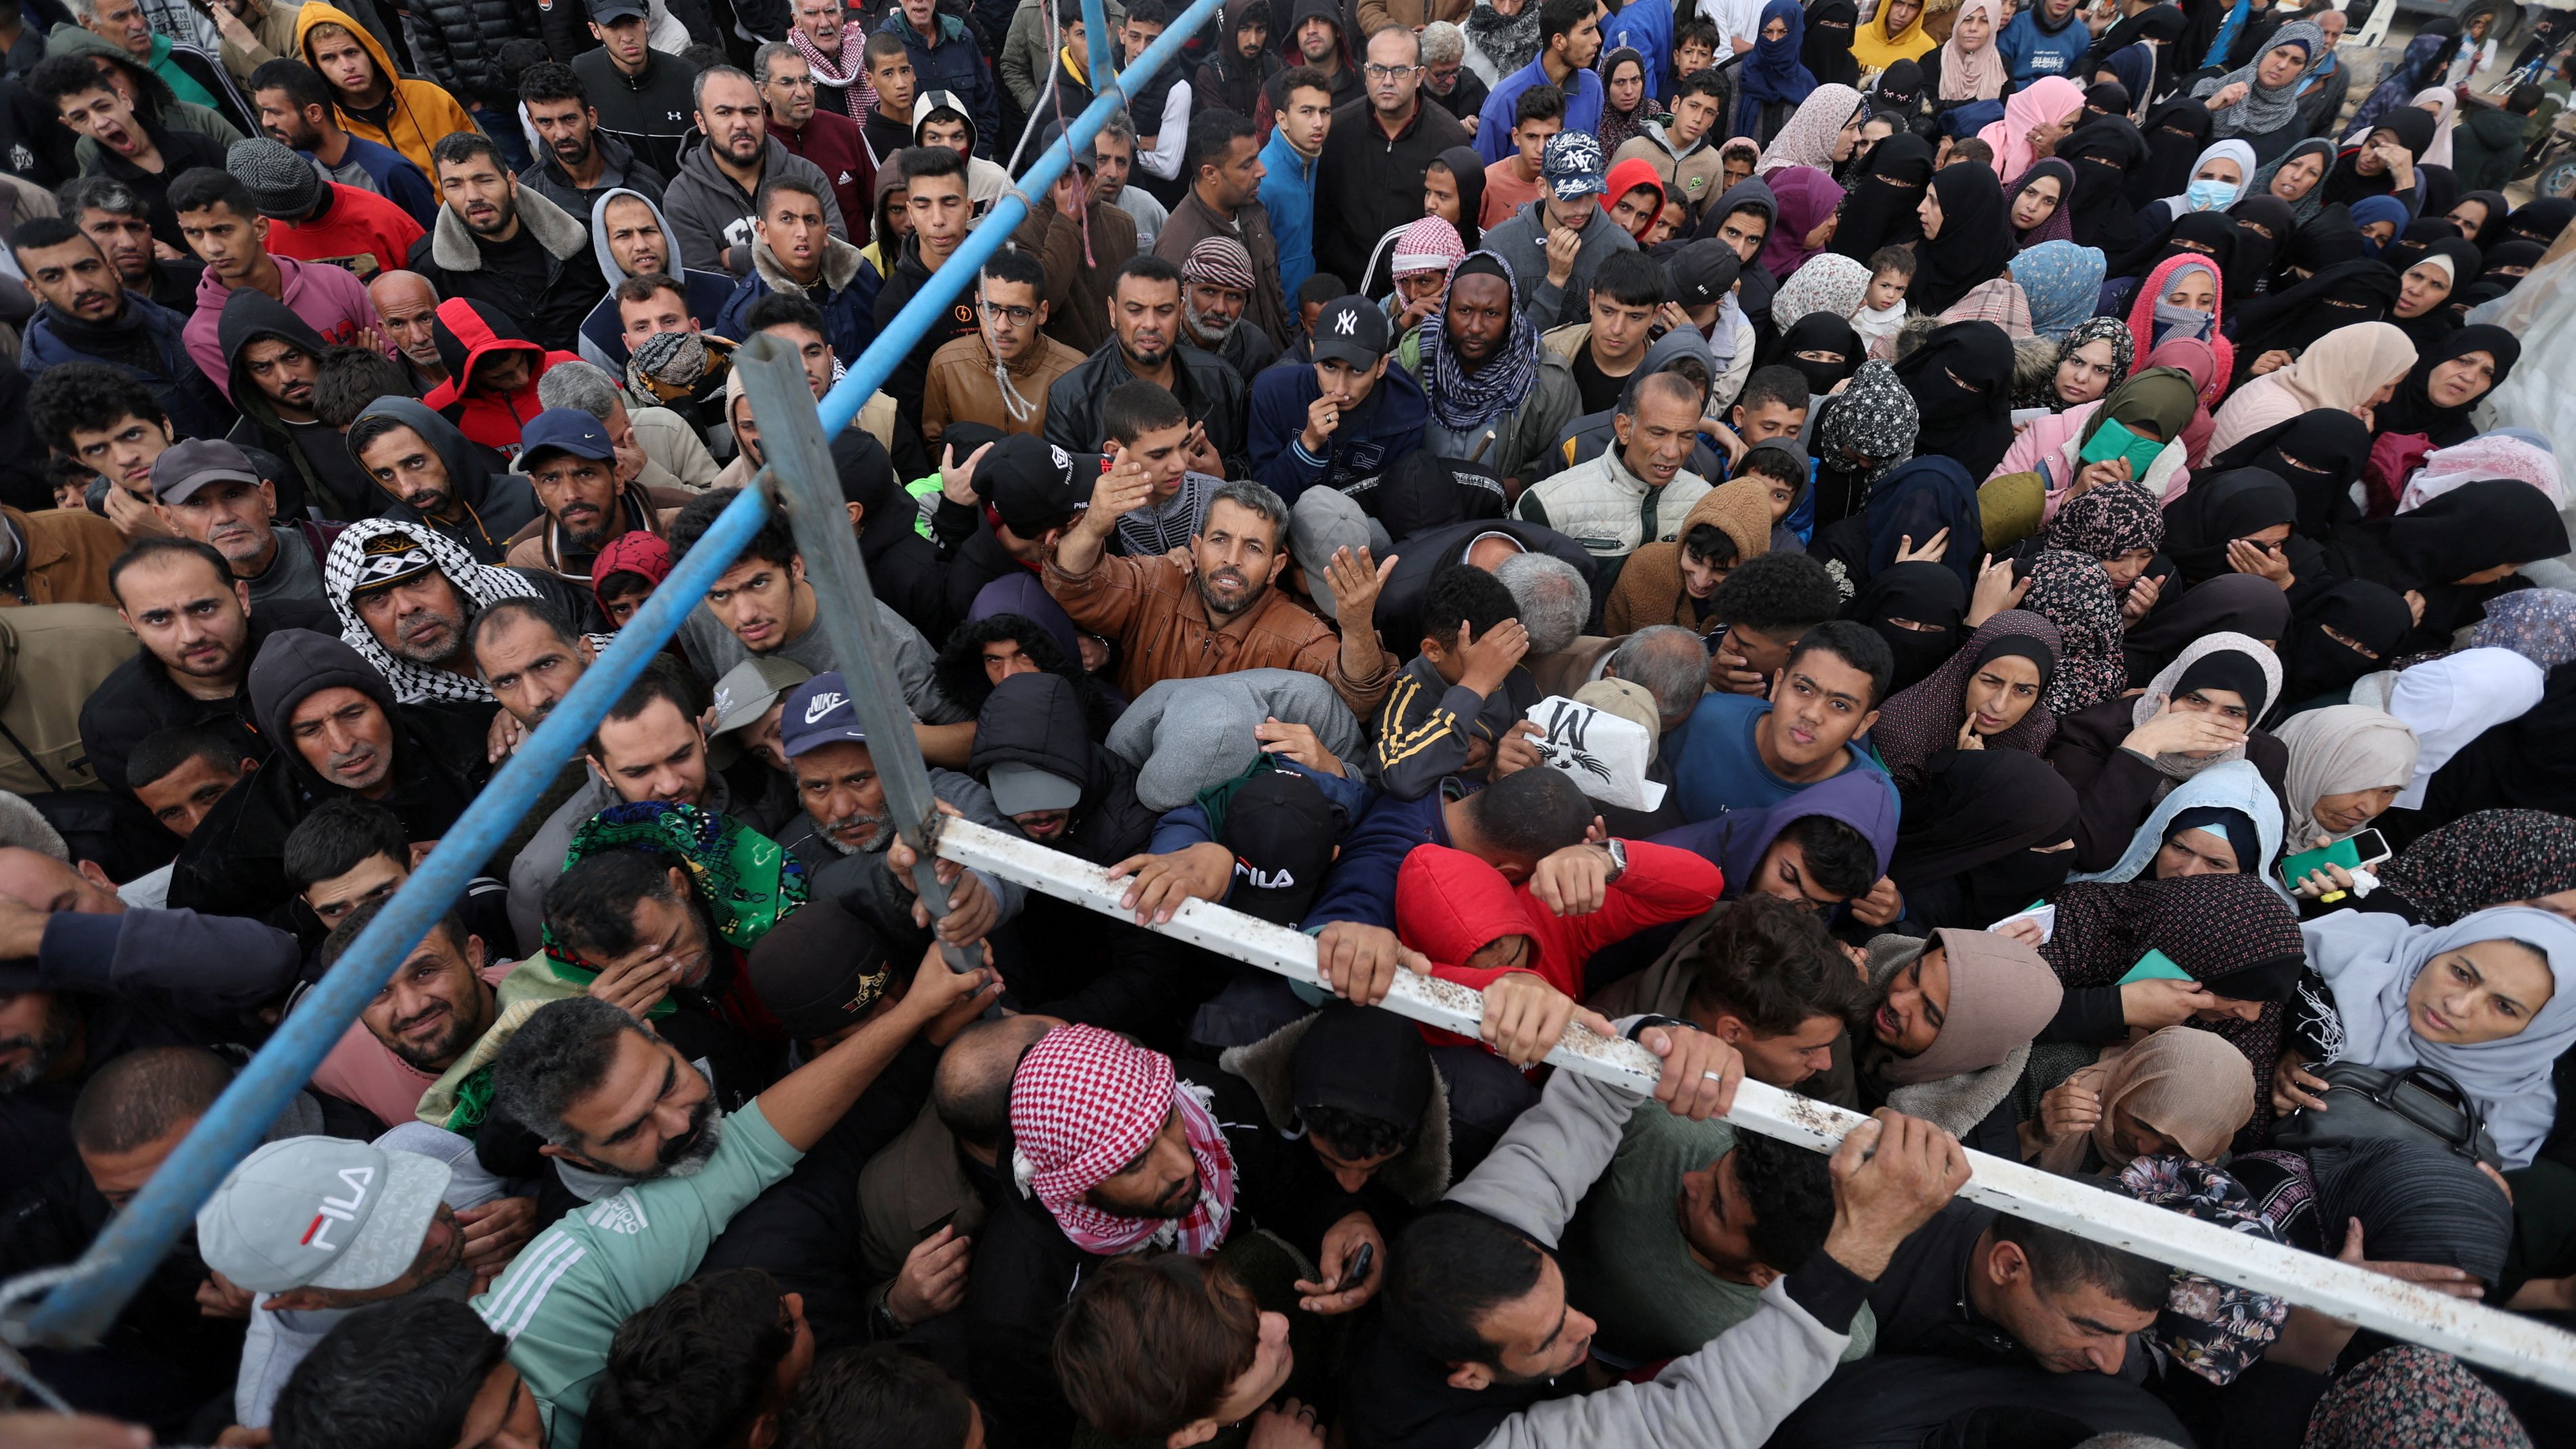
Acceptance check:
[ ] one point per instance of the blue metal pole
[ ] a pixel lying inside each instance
(896, 342)
(124, 1255)
(1095, 34)
(77, 1312)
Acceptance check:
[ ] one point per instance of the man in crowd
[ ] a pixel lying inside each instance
(108, 424)
(945, 58)
(648, 94)
(407, 305)
(212, 494)
(1452, 84)
(224, 228)
(935, 196)
(1747, 753)
(274, 359)
(572, 465)
(1345, 417)
(713, 198)
(577, 162)
(1556, 244)
(1217, 286)
(836, 50)
(296, 108)
(316, 220)
(1145, 311)
(1001, 375)
(1076, 236)
(1569, 38)
(88, 316)
(123, 24)
(2043, 39)
(109, 213)
(1498, 399)
(827, 138)
(1224, 164)
(1395, 132)
(794, 254)
(1288, 172)
(129, 146)
(374, 101)
(1313, 37)
(435, 478)
(511, 248)
(1115, 147)
(887, 126)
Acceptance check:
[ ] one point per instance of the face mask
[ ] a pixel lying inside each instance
(2113, 440)
(2205, 195)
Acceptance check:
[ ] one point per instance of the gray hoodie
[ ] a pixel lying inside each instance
(1522, 241)
(603, 336)
(713, 214)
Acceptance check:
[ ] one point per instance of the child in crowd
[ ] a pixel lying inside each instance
(1891, 270)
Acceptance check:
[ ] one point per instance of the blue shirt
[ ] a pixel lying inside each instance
(1720, 769)
(1288, 194)
(2030, 53)
(1494, 123)
(1645, 29)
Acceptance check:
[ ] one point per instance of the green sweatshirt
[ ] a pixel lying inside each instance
(562, 1299)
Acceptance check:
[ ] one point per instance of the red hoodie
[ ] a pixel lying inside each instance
(1449, 904)
(465, 338)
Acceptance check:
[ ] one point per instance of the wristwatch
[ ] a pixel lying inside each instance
(1618, 851)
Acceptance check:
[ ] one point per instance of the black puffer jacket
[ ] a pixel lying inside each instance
(1037, 720)
(459, 43)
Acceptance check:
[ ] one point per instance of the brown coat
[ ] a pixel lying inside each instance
(1077, 286)
(1376, 15)
(533, 546)
(68, 551)
(1649, 590)
(908, 1190)
(1191, 223)
(959, 387)
(1572, 667)
(1151, 607)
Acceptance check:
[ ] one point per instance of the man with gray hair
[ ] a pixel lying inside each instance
(1672, 663)
(110, 214)
(1116, 146)
(825, 137)
(1554, 599)
(656, 447)
(1446, 78)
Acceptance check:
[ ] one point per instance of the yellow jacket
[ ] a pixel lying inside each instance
(423, 111)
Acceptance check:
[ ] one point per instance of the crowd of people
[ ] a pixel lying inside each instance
(1955, 560)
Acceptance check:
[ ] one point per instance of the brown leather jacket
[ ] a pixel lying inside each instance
(959, 387)
(68, 551)
(1152, 608)
(1077, 291)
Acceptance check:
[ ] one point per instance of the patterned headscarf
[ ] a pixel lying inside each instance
(2108, 520)
(2497, 453)
(2486, 859)
(2216, 1330)
(1461, 400)
(2063, 282)
(2124, 355)
(2071, 591)
(1430, 244)
(1808, 138)
(1084, 1104)
(378, 552)
(745, 881)
(1825, 282)
(1875, 418)
(850, 66)
(2413, 1398)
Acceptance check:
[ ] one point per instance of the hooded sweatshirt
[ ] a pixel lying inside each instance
(1688, 172)
(323, 473)
(415, 115)
(332, 303)
(603, 336)
(470, 334)
(544, 278)
(1449, 905)
(1522, 241)
(1037, 720)
(494, 505)
(952, 62)
(714, 215)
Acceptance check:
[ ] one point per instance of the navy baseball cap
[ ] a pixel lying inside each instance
(818, 713)
(565, 430)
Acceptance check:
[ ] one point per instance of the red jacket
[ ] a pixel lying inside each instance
(833, 143)
(466, 335)
(360, 231)
(1449, 904)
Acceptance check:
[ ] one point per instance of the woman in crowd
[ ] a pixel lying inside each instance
(2489, 858)
(1625, 105)
(2176, 134)
(1967, 238)
(2226, 820)
(2517, 453)
(1822, 131)
(2092, 359)
(1827, 282)
(2071, 591)
(2290, 321)
(2452, 374)
(2184, 299)
(2425, 293)
(1805, 224)
(2454, 553)
(1862, 433)
(2241, 521)
(2117, 525)
(2425, 57)
(2105, 152)
(2127, 753)
(2036, 204)
(1983, 834)
(1967, 69)
(2248, 604)
(2259, 103)
(2347, 764)
(2351, 369)
(2134, 434)
(1772, 82)
(1893, 34)
(2177, 1092)
(1885, 205)
(2218, 178)
(1984, 696)
(2035, 118)
(1925, 508)
(2295, 177)
(2338, 634)
(1919, 608)
(2060, 280)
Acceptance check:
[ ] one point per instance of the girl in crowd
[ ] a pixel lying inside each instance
(2036, 203)
(2060, 279)
(1984, 696)
(1919, 607)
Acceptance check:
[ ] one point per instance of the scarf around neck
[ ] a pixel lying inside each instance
(848, 68)
(1460, 399)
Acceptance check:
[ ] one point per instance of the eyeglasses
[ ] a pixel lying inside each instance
(1389, 72)
(1017, 316)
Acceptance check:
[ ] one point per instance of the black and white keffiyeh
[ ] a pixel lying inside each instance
(377, 551)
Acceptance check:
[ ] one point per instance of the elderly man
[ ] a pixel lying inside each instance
(656, 447)
(340, 732)
(406, 598)
(1604, 502)
(1217, 284)
(407, 304)
(1218, 612)
(212, 493)
(824, 136)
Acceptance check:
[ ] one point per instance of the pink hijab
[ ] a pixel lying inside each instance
(2195, 358)
(2044, 101)
(2142, 327)
(1806, 196)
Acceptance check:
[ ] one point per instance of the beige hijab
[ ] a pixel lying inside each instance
(2001, 995)
(2339, 371)
(2336, 751)
(2191, 1085)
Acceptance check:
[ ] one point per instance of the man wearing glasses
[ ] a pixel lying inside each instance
(828, 139)
(998, 375)
(1395, 134)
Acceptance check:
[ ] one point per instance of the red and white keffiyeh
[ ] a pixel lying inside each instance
(1084, 1103)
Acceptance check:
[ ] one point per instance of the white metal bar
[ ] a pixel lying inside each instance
(2471, 1330)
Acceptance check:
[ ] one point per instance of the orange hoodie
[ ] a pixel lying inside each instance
(423, 111)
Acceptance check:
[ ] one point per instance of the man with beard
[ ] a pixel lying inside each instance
(712, 200)
(1313, 38)
(199, 635)
(437, 1004)
(1498, 396)
(274, 362)
(1224, 200)
(436, 478)
(1076, 236)
(109, 213)
(645, 90)
(339, 733)
(295, 107)
(835, 53)
(144, 155)
(826, 137)
(638, 245)
(572, 464)
(678, 1171)
(1217, 283)
(88, 316)
(407, 304)
(213, 494)
(516, 250)
(406, 598)
(1397, 130)
(1232, 75)
(578, 163)
(222, 225)
(1145, 315)
(1170, 615)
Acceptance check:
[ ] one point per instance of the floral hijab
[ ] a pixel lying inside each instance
(2484, 859)
(2071, 591)
(745, 881)
(1876, 419)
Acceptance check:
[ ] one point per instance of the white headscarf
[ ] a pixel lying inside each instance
(2338, 750)
(2179, 206)
(2450, 701)
(2371, 960)
(348, 567)
(2160, 691)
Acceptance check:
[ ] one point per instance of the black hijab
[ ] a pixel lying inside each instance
(2176, 133)
(2263, 225)
(2291, 319)
(1818, 332)
(2210, 235)
(2219, 508)
(2247, 604)
(2372, 620)
(1882, 208)
(1462, 164)
(2437, 190)
(1974, 247)
(2319, 454)
(2103, 152)
(1961, 378)
(1898, 90)
(2431, 332)
(2329, 238)
(2491, 230)
(2156, 22)
(1922, 593)
(2540, 220)
(2412, 409)
(2466, 531)
(1826, 51)
(2107, 98)
(1970, 841)
(2416, 239)
(2344, 181)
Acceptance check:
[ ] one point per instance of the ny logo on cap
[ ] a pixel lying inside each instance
(339, 1210)
(1347, 325)
(821, 705)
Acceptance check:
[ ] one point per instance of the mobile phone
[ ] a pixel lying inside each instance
(2352, 853)
(932, 1231)
(1357, 1273)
